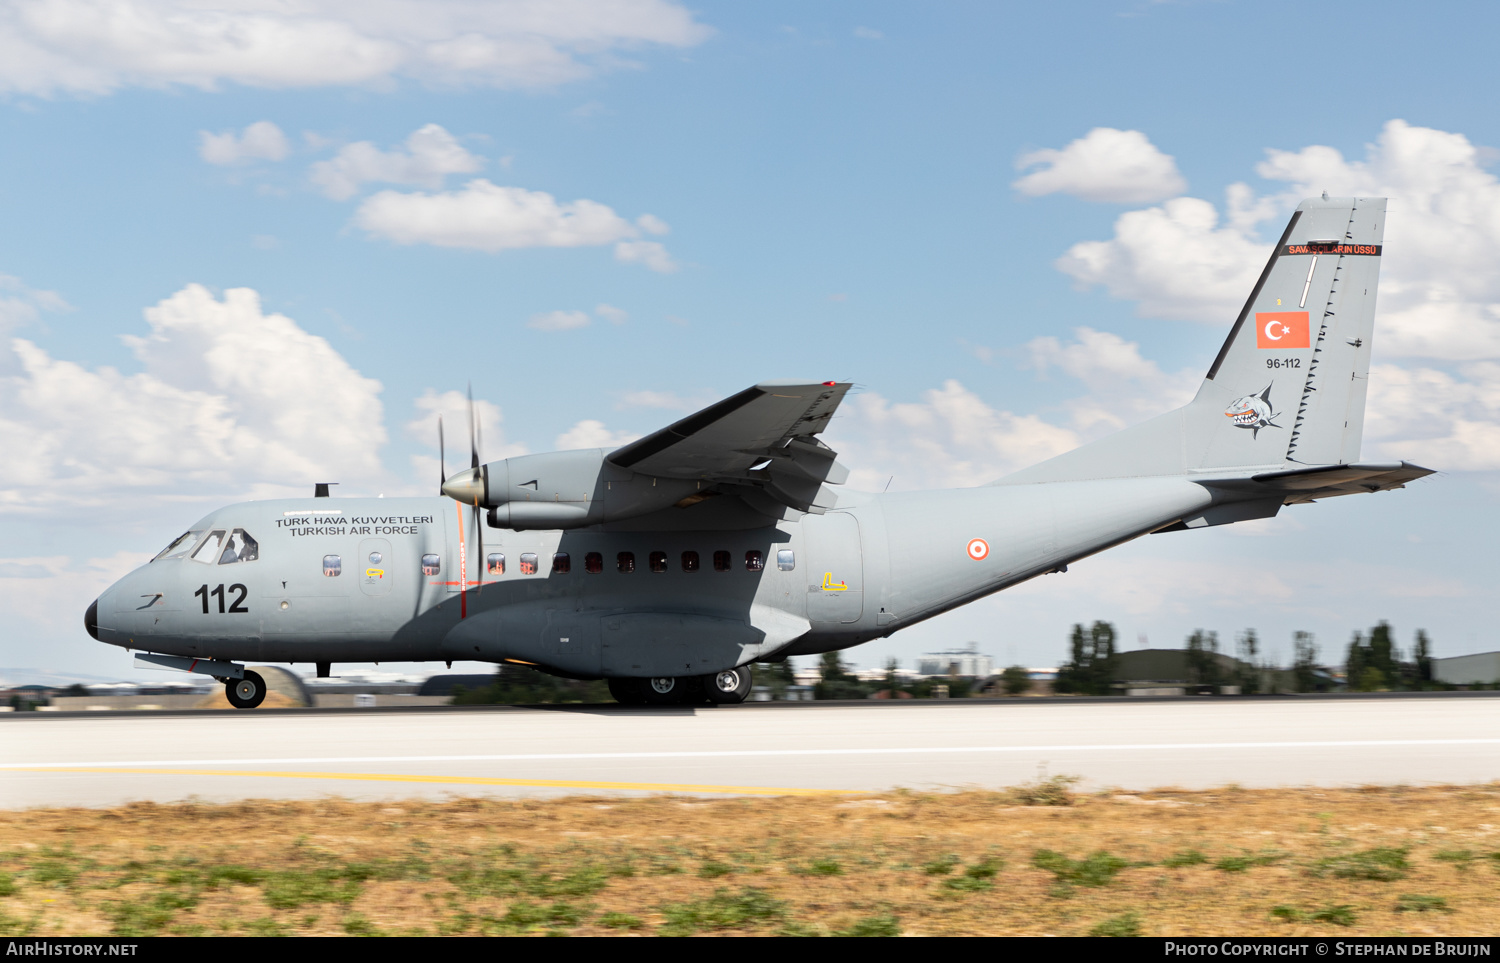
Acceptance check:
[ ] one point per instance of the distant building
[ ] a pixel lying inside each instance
(1482, 668)
(965, 663)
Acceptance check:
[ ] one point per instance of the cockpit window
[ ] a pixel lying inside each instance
(208, 552)
(180, 546)
(241, 548)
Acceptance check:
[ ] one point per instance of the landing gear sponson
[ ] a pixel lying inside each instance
(720, 688)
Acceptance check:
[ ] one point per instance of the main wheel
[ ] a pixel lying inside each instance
(729, 686)
(627, 691)
(246, 693)
(669, 690)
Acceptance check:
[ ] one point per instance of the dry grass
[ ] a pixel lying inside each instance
(1227, 862)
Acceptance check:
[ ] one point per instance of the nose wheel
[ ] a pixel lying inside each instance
(246, 693)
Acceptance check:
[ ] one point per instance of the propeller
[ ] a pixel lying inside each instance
(468, 487)
(442, 459)
(478, 489)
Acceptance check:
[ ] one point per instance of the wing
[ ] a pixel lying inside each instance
(764, 438)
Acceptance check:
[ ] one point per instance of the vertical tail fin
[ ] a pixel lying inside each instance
(1297, 362)
(1289, 383)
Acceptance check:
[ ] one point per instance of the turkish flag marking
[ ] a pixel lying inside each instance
(1282, 329)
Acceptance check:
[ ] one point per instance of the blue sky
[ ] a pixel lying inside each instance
(606, 214)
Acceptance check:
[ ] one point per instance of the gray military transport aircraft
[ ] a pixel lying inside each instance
(669, 565)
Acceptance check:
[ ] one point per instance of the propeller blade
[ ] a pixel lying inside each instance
(479, 546)
(442, 459)
(473, 437)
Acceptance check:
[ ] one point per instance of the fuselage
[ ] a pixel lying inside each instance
(679, 592)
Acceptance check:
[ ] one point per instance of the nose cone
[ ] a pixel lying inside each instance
(466, 486)
(91, 619)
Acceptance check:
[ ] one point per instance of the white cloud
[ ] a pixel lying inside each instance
(1123, 387)
(868, 33)
(1177, 261)
(1439, 297)
(431, 154)
(453, 408)
(558, 321)
(949, 439)
(612, 314)
(231, 400)
(485, 217)
(652, 224)
(648, 253)
(262, 140)
(593, 434)
(1435, 418)
(23, 305)
(98, 46)
(1439, 294)
(1120, 166)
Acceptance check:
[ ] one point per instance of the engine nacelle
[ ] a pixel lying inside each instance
(564, 489)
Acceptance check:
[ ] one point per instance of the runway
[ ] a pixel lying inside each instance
(102, 759)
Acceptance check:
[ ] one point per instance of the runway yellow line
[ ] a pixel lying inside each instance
(457, 780)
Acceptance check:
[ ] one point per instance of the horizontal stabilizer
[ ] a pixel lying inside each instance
(1327, 481)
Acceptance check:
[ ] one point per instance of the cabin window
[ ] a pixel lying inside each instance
(528, 563)
(658, 562)
(625, 562)
(208, 552)
(332, 566)
(561, 563)
(690, 561)
(722, 562)
(241, 548)
(432, 565)
(755, 560)
(495, 564)
(593, 563)
(786, 560)
(375, 558)
(181, 546)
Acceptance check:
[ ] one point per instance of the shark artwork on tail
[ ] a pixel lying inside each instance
(1252, 411)
(669, 565)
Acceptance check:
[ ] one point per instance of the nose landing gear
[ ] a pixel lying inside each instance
(246, 693)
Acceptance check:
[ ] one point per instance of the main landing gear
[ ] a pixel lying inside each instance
(246, 693)
(720, 688)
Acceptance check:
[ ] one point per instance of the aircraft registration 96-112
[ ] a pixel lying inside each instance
(668, 566)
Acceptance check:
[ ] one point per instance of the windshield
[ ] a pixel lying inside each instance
(180, 546)
(208, 552)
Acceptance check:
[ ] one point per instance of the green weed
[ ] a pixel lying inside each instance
(1187, 857)
(1127, 924)
(1096, 869)
(1383, 864)
(1413, 903)
(886, 924)
(722, 911)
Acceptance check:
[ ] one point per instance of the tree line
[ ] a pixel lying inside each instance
(1373, 663)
